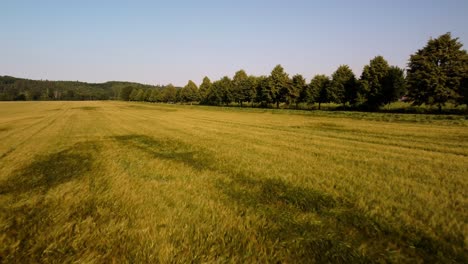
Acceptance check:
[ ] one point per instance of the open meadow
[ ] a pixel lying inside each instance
(104, 182)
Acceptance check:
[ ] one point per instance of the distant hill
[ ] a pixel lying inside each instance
(17, 89)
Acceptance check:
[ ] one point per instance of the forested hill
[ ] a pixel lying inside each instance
(12, 88)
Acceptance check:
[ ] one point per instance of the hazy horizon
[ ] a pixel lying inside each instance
(177, 41)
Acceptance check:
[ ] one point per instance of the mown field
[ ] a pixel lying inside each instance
(114, 182)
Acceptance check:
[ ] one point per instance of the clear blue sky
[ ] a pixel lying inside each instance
(160, 42)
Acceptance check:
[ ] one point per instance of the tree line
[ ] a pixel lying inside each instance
(436, 74)
(17, 89)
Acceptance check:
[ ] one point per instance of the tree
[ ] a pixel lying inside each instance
(239, 82)
(394, 85)
(147, 95)
(133, 95)
(189, 93)
(372, 81)
(140, 96)
(225, 88)
(279, 85)
(464, 91)
(125, 93)
(249, 90)
(204, 89)
(343, 86)
(437, 73)
(305, 95)
(155, 95)
(169, 94)
(320, 90)
(298, 87)
(263, 94)
(213, 96)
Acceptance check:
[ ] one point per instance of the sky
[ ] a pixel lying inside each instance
(161, 42)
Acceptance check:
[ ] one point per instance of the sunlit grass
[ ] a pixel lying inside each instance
(135, 182)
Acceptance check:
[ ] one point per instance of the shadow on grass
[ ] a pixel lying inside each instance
(151, 107)
(27, 217)
(37, 227)
(87, 108)
(168, 149)
(313, 226)
(281, 205)
(48, 171)
(3, 129)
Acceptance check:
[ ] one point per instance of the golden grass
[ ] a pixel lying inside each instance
(103, 182)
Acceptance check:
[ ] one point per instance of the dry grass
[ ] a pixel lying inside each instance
(104, 182)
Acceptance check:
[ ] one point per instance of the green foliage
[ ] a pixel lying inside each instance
(147, 96)
(320, 87)
(22, 89)
(189, 93)
(226, 90)
(133, 95)
(169, 94)
(372, 81)
(240, 84)
(140, 95)
(299, 91)
(394, 85)
(263, 94)
(204, 89)
(249, 90)
(155, 96)
(343, 86)
(279, 85)
(125, 93)
(213, 96)
(438, 72)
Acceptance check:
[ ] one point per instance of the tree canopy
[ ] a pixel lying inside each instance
(320, 89)
(438, 72)
(278, 85)
(343, 86)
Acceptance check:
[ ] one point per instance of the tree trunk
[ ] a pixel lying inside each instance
(297, 105)
(440, 108)
(277, 104)
(319, 106)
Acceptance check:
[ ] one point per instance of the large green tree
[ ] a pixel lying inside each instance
(204, 89)
(320, 90)
(240, 82)
(298, 87)
(437, 73)
(279, 85)
(263, 93)
(213, 95)
(169, 94)
(394, 85)
(372, 81)
(249, 90)
(344, 86)
(189, 93)
(225, 87)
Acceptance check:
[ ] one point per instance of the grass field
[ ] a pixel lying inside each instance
(103, 182)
